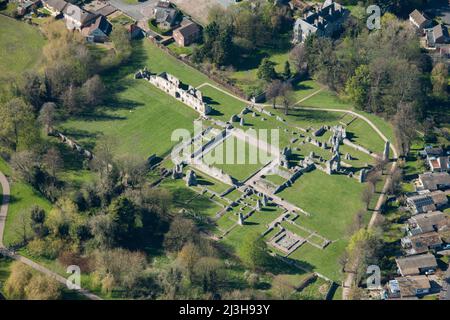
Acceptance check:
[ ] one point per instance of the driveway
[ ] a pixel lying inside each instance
(139, 11)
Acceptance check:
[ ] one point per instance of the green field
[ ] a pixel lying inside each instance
(332, 201)
(329, 100)
(23, 198)
(141, 120)
(239, 163)
(20, 46)
(140, 117)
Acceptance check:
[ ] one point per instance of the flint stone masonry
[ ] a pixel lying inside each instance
(172, 85)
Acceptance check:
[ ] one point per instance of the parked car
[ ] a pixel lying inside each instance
(429, 272)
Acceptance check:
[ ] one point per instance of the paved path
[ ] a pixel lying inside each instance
(4, 206)
(4, 251)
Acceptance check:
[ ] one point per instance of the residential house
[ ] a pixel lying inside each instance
(418, 20)
(98, 31)
(187, 34)
(324, 21)
(415, 265)
(436, 36)
(440, 199)
(165, 15)
(134, 31)
(440, 164)
(27, 6)
(427, 222)
(106, 10)
(431, 152)
(427, 201)
(55, 7)
(421, 243)
(77, 18)
(434, 181)
(420, 203)
(409, 286)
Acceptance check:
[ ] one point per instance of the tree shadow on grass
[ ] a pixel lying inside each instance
(313, 116)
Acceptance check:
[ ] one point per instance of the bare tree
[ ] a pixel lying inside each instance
(298, 58)
(405, 125)
(367, 194)
(52, 161)
(273, 91)
(47, 116)
(286, 91)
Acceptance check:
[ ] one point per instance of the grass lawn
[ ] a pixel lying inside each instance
(256, 223)
(237, 164)
(20, 46)
(121, 19)
(332, 201)
(23, 197)
(303, 89)
(223, 104)
(205, 181)
(361, 133)
(175, 48)
(140, 119)
(186, 198)
(328, 99)
(325, 261)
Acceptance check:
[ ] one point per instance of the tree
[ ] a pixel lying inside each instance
(358, 86)
(123, 266)
(17, 281)
(287, 71)
(286, 92)
(124, 215)
(42, 287)
(52, 161)
(133, 170)
(207, 272)
(122, 44)
(188, 257)
(181, 231)
(37, 216)
(266, 70)
(273, 91)
(47, 116)
(17, 125)
(72, 100)
(33, 89)
(282, 287)
(405, 125)
(367, 194)
(103, 229)
(93, 91)
(299, 59)
(24, 165)
(253, 252)
(439, 79)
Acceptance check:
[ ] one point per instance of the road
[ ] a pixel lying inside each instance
(140, 11)
(4, 251)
